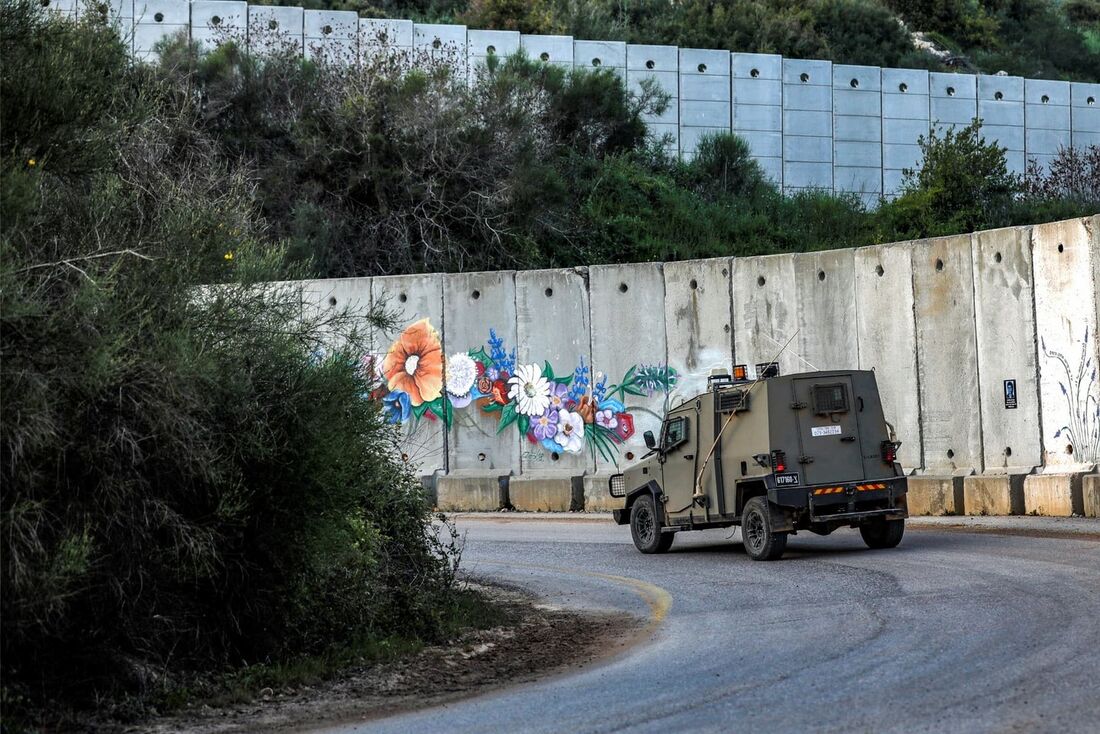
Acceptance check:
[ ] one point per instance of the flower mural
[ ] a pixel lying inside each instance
(561, 413)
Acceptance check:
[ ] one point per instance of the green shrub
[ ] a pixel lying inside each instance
(963, 185)
(193, 476)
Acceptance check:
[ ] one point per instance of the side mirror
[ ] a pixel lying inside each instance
(650, 441)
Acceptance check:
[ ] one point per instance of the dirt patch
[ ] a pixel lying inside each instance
(537, 643)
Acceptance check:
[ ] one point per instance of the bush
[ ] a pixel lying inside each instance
(963, 185)
(192, 475)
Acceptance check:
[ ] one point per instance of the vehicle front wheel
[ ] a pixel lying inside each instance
(761, 542)
(882, 534)
(645, 529)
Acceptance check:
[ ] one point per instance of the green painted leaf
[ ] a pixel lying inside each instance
(633, 390)
(567, 380)
(548, 372)
(523, 423)
(482, 356)
(493, 408)
(508, 416)
(420, 410)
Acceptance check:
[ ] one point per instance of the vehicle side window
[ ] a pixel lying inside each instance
(676, 433)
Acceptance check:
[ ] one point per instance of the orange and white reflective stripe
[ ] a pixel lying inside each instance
(860, 487)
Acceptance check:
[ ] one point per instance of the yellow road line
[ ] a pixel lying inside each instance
(657, 599)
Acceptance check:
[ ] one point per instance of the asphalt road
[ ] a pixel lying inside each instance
(951, 631)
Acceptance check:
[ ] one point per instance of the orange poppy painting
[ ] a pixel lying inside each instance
(414, 363)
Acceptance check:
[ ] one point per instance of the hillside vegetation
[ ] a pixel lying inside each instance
(1049, 39)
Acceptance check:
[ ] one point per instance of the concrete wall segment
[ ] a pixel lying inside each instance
(886, 339)
(477, 306)
(1006, 339)
(698, 324)
(947, 359)
(413, 299)
(628, 339)
(1065, 272)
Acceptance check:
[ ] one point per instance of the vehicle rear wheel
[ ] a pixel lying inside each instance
(761, 542)
(882, 534)
(645, 529)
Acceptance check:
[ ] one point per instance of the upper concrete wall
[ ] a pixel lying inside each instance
(809, 124)
(984, 349)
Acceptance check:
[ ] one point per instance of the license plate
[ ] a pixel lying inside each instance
(786, 480)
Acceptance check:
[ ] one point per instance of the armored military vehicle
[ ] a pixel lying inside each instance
(774, 455)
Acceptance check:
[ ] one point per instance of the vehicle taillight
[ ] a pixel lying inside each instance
(889, 451)
(779, 461)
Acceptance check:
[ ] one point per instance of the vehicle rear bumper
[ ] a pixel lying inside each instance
(848, 502)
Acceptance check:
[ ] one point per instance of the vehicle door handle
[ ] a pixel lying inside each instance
(689, 457)
(848, 439)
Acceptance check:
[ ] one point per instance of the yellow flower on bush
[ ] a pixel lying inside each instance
(32, 162)
(228, 255)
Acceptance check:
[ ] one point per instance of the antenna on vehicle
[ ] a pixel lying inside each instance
(797, 356)
(698, 492)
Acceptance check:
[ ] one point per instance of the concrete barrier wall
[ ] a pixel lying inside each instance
(809, 124)
(983, 346)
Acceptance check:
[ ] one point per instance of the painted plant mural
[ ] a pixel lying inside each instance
(1078, 386)
(569, 413)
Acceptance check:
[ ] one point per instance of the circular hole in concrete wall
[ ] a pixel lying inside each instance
(726, 328)
(1045, 99)
(437, 43)
(650, 64)
(903, 87)
(821, 275)
(327, 30)
(725, 272)
(996, 257)
(939, 264)
(1069, 448)
(854, 84)
(1090, 101)
(754, 73)
(216, 20)
(950, 454)
(555, 456)
(481, 457)
(332, 300)
(544, 56)
(404, 457)
(879, 270)
(761, 281)
(630, 456)
(490, 50)
(475, 295)
(804, 77)
(1061, 247)
(158, 17)
(950, 91)
(596, 62)
(623, 287)
(702, 68)
(272, 25)
(693, 284)
(549, 292)
(1008, 451)
(998, 96)
(403, 297)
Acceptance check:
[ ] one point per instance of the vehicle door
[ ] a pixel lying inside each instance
(678, 447)
(828, 430)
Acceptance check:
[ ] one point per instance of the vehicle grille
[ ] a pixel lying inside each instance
(616, 486)
(731, 400)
